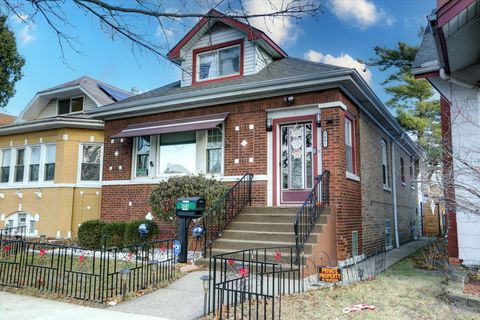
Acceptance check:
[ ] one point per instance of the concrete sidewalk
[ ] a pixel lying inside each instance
(182, 300)
(397, 254)
(18, 307)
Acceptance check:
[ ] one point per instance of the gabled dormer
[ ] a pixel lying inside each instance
(71, 99)
(219, 48)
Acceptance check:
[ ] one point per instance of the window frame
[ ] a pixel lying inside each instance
(218, 47)
(351, 119)
(10, 170)
(29, 163)
(16, 165)
(222, 155)
(402, 171)
(385, 165)
(44, 162)
(80, 162)
(70, 109)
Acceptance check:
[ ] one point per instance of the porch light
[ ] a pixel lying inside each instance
(269, 125)
(318, 120)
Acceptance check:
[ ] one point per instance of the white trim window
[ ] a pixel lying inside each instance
(223, 62)
(142, 156)
(177, 153)
(19, 165)
(70, 105)
(349, 151)
(6, 161)
(385, 166)
(214, 150)
(34, 164)
(90, 162)
(49, 166)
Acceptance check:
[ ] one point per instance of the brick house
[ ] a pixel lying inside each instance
(243, 105)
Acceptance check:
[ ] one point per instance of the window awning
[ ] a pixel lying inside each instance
(170, 126)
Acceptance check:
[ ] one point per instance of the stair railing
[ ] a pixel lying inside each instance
(216, 219)
(309, 212)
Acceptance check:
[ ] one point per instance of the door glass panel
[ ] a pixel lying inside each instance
(308, 156)
(296, 146)
(284, 163)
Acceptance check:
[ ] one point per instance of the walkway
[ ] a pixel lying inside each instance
(18, 307)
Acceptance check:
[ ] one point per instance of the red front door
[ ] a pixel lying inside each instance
(297, 160)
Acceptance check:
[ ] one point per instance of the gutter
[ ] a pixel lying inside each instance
(50, 124)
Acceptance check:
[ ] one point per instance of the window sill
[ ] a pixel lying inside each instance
(352, 176)
(388, 189)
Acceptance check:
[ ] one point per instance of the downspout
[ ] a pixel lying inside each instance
(394, 191)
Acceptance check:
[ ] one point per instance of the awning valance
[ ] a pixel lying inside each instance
(170, 126)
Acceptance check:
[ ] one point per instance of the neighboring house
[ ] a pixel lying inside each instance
(449, 58)
(6, 119)
(242, 105)
(50, 174)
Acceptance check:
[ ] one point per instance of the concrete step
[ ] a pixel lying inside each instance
(272, 218)
(269, 226)
(270, 210)
(234, 245)
(260, 236)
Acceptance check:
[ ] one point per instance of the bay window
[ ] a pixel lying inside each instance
(6, 155)
(91, 158)
(177, 152)
(34, 167)
(20, 165)
(143, 156)
(49, 169)
(218, 63)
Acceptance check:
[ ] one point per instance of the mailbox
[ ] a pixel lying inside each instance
(190, 207)
(187, 210)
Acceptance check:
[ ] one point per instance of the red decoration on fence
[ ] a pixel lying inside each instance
(231, 262)
(243, 272)
(278, 256)
(42, 252)
(6, 248)
(81, 259)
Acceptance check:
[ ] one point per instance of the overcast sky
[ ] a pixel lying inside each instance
(347, 30)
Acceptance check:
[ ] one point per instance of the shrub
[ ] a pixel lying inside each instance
(114, 233)
(132, 236)
(90, 234)
(163, 197)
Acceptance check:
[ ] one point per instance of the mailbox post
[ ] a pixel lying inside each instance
(187, 210)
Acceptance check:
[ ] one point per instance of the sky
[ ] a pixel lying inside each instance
(347, 30)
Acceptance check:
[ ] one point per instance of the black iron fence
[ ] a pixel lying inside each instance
(309, 212)
(224, 211)
(249, 284)
(9, 233)
(87, 274)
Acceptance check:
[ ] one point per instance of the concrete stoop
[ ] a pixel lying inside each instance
(263, 227)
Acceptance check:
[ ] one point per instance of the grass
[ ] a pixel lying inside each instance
(402, 292)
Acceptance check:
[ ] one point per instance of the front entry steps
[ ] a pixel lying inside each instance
(260, 227)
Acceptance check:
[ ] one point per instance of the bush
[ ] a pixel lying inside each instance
(163, 197)
(132, 236)
(114, 233)
(90, 234)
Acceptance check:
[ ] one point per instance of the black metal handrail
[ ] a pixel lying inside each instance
(309, 212)
(218, 217)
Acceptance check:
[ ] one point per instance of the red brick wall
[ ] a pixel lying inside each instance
(345, 194)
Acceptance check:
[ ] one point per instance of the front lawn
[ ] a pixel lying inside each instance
(402, 292)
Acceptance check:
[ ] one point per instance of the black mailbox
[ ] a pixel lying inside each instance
(190, 207)
(187, 209)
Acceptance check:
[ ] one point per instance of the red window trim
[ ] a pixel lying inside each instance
(216, 47)
(351, 117)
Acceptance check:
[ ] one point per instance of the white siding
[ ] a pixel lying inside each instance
(50, 110)
(216, 36)
(262, 59)
(88, 104)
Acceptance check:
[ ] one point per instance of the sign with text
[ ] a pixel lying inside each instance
(329, 274)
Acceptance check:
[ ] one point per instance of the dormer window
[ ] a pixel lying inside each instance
(220, 62)
(72, 105)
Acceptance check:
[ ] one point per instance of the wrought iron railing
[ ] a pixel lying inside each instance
(87, 274)
(249, 284)
(13, 233)
(309, 212)
(218, 217)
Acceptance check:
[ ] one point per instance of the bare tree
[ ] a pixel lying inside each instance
(129, 19)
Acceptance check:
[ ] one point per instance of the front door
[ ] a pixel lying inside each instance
(297, 161)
